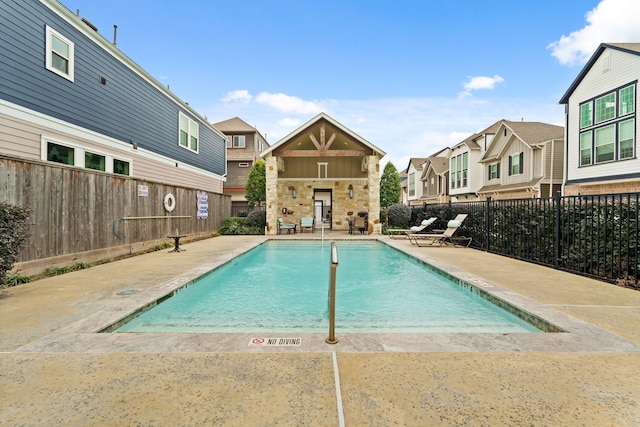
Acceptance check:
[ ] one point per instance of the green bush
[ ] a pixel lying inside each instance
(399, 216)
(14, 233)
(14, 280)
(257, 218)
(233, 225)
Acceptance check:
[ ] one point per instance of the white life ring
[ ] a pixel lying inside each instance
(169, 202)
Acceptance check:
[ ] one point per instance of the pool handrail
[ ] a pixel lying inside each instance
(331, 339)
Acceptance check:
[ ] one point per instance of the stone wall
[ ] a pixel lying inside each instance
(366, 197)
(603, 188)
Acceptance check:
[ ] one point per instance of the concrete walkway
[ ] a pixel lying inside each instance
(55, 369)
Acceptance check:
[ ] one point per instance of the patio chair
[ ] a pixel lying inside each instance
(307, 222)
(360, 223)
(403, 233)
(285, 226)
(447, 236)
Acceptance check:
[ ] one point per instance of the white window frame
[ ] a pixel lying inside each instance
(411, 184)
(79, 153)
(586, 147)
(50, 34)
(494, 172)
(515, 168)
(322, 167)
(189, 132)
(601, 143)
(242, 141)
(243, 165)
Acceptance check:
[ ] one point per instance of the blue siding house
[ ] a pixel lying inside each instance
(109, 160)
(70, 96)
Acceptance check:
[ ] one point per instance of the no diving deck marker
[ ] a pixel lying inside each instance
(276, 342)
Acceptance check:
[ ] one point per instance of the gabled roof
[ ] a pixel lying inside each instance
(235, 124)
(301, 134)
(530, 133)
(470, 141)
(438, 162)
(416, 162)
(439, 166)
(631, 48)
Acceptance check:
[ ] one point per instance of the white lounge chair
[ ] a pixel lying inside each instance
(403, 233)
(432, 239)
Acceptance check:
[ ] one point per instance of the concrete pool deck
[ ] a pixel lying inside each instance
(56, 370)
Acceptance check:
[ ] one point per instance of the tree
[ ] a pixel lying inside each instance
(256, 191)
(390, 189)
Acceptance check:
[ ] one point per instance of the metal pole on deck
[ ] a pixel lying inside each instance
(331, 339)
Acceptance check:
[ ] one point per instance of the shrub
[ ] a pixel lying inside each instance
(14, 279)
(399, 215)
(14, 232)
(257, 218)
(233, 225)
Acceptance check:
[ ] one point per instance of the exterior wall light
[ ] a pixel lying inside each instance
(350, 191)
(293, 193)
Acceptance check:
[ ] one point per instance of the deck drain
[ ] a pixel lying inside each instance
(127, 292)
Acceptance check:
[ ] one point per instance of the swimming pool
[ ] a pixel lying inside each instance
(282, 286)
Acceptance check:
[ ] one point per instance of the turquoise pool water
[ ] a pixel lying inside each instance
(282, 286)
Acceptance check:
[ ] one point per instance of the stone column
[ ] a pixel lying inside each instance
(271, 175)
(373, 183)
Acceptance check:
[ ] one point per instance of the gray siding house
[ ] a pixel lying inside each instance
(244, 145)
(89, 135)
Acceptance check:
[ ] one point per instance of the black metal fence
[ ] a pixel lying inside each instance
(595, 236)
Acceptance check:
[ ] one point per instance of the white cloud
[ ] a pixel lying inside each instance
(288, 103)
(480, 82)
(402, 127)
(238, 95)
(610, 21)
(289, 123)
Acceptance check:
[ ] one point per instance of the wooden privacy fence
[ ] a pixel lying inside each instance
(85, 214)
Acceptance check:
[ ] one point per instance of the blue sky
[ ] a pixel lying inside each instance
(409, 76)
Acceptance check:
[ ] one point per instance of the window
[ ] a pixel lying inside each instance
(586, 118)
(411, 184)
(459, 170)
(464, 169)
(59, 51)
(60, 154)
(121, 167)
(73, 154)
(494, 171)
(605, 107)
(604, 144)
(614, 140)
(322, 169)
(627, 140)
(94, 161)
(516, 164)
(189, 133)
(627, 101)
(433, 184)
(453, 171)
(239, 141)
(585, 148)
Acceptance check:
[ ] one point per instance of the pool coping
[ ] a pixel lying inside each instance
(84, 335)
